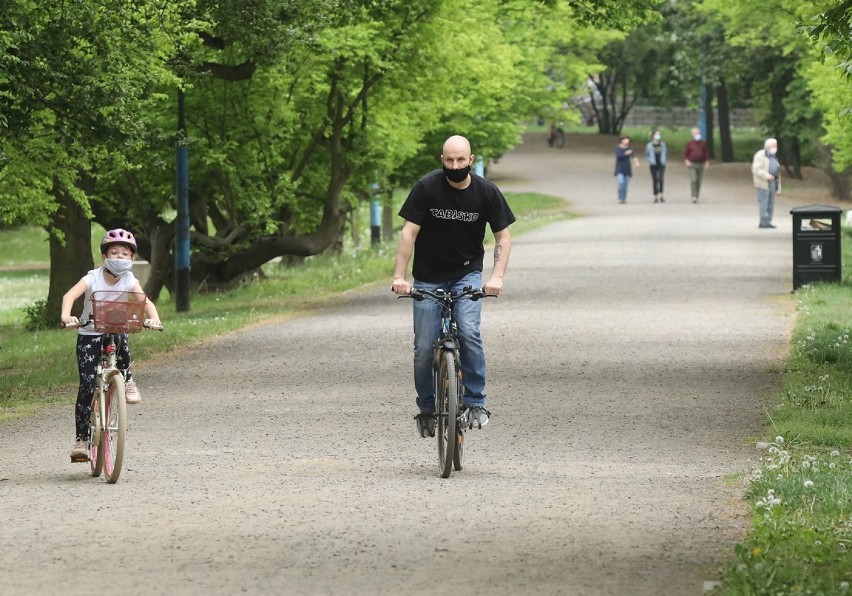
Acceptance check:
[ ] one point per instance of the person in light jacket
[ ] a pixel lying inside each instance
(765, 171)
(655, 153)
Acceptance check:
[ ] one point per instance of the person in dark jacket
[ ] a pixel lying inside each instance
(624, 157)
(697, 159)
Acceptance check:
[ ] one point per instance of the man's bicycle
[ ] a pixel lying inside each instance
(113, 313)
(450, 411)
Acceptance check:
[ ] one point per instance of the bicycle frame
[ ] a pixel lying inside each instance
(447, 378)
(107, 369)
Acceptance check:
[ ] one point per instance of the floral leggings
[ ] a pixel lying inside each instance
(88, 358)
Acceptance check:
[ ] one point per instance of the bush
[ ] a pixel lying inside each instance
(36, 317)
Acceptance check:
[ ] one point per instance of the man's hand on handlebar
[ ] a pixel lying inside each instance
(401, 287)
(493, 287)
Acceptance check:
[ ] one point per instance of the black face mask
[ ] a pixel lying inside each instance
(456, 175)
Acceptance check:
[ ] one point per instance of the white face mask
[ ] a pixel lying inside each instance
(696, 137)
(772, 150)
(118, 267)
(657, 137)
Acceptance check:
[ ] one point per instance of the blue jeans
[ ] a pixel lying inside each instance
(427, 328)
(766, 205)
(623, 181)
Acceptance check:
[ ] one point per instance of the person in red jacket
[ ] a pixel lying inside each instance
(697, 159)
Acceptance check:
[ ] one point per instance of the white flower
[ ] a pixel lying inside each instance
(809, 483)
(779, 439)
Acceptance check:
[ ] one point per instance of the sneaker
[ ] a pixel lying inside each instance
(477, 417)
(131, 392)
(80, 451)
(426, 424)
(662, 199)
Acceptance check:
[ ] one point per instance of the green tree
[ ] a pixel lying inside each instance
(780, 61)
(74, 81)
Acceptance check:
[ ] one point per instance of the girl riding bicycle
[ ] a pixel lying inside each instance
(118, 248)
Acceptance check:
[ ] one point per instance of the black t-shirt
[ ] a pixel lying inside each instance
(452, 225)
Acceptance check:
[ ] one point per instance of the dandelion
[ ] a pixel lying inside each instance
(817, 543)
(809, 483)
(755, 552)
(835, 453)
(779, 439)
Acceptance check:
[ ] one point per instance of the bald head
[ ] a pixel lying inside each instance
(456, 144)
(457, 159)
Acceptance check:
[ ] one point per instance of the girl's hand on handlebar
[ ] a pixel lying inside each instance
(70, 322)
(153, 324)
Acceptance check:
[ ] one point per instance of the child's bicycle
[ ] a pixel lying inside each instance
(450, 410)
(113, 313)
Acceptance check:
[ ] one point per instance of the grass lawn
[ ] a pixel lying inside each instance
(801, 492)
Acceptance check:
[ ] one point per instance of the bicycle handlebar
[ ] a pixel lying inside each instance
(468, 292)
(91, 322)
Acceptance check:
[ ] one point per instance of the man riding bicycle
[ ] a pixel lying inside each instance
(445, 216)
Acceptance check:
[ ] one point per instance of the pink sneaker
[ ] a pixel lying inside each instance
(131, 393)
(80, 452)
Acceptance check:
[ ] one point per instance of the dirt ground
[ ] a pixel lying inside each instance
(631, 358)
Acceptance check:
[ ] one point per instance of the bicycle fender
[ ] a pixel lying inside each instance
(449, 344)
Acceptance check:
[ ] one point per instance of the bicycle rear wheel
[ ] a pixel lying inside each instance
(115, 427)
(447, 411)
(96, 460)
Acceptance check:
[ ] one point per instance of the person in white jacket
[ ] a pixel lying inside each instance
(766, 171)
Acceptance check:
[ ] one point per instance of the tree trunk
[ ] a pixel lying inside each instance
(792, 157)
(70, 259)
(162, 263)
(725, 122)
(613, 110)
(711, 124)
(387, 217)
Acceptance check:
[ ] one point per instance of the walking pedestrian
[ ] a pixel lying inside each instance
(445, 216)
(697, 159)
(765, 171)
(624, 157)
(655, 153)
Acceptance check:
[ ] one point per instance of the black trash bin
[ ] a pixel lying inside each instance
(816, 244)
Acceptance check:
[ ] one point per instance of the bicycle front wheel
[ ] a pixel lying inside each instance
(96, 460)
(115, 427)
(448, 410)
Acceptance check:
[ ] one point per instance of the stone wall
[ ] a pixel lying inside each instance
(650, 116)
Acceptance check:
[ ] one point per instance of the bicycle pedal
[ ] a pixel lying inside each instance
(79, 459)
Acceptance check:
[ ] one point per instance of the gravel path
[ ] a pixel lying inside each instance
(629, 359)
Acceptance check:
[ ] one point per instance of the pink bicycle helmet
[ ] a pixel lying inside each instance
(118, 236)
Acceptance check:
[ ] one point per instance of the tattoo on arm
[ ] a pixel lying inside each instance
(498, 252)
